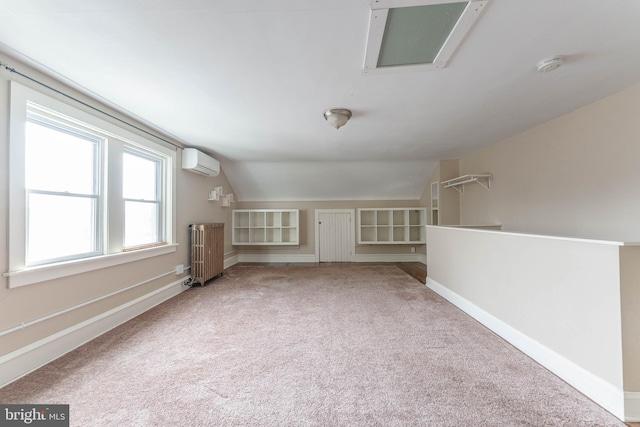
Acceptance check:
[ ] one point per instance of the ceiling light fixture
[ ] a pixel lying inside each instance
(337, 117)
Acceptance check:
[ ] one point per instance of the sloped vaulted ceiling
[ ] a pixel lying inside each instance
(248, 80)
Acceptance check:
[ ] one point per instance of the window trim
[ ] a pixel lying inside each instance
(46, 272)
(18, 273)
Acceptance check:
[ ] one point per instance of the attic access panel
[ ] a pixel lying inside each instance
(417, 34)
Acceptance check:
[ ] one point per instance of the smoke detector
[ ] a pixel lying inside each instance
(549, 64)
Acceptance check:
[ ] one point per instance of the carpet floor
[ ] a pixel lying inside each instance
(340, 345)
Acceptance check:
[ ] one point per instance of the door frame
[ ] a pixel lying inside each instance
(351, 212)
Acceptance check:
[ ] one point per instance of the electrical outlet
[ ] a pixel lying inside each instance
(179, 269)
(413, 249)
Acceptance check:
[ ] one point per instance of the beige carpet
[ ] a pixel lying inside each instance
(341, 345)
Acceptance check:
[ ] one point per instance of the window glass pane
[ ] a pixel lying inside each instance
(59, 161)
(140, 223)
(60, 227)
(140, 177)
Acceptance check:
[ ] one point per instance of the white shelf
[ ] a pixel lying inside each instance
(391, 226)
(265, 227)
(482, 179)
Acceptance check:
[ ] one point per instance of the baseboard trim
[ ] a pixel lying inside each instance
(600, 391)
(390, 258)
(288, 258)
(632, 407)
(230, 261)
(311, 258)
(27, 359)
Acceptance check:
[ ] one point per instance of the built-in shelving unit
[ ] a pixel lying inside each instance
(265, 227)
(391, 225)
(459, 182)
(435, 203)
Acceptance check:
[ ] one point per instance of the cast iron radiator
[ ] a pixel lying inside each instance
(207, 251)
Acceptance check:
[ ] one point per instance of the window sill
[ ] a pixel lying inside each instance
(29, 276)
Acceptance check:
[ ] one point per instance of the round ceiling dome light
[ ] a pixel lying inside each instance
(550, 64)
(337, 117)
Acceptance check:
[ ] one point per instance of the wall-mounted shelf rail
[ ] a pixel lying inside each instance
(459, 182)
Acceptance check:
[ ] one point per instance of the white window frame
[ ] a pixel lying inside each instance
(19, 273)
(159, 196)
(37, 116)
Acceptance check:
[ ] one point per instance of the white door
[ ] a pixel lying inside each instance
(335, 236)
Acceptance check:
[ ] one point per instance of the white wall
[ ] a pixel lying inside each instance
(575, 175)
(558, 300)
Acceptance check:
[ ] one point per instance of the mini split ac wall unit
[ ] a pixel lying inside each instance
(198, 162)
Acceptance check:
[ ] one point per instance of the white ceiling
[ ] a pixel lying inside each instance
(248, 80)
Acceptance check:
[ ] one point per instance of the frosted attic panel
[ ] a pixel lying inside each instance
(415, 35)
